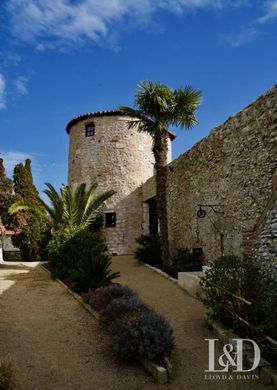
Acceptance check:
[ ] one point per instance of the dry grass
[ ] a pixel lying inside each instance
(8, 375)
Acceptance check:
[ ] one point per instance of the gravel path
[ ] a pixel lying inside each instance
(186, 314)
(57, 345)
(55, 342)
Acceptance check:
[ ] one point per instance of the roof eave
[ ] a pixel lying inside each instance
(89, 115)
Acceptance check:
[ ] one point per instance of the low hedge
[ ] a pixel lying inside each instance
(136, 330)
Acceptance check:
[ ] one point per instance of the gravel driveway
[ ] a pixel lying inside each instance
(57, 345)
(55, 342)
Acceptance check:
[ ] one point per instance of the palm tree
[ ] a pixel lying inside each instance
(80, 208)
(158, 107)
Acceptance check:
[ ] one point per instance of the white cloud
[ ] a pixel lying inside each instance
(2, 92)
(253, 29)
(21, 85)
(241, 38)
(9, 59)
(270, 12)
(180, 5)
(62, 23)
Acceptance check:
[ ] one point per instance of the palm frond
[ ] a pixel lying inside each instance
(93, 205)
(154, 99)
(186, 101)
(55, 211)
(80, 207)
(135, 114)
(79, 201)
(15, 207)
(69, 211)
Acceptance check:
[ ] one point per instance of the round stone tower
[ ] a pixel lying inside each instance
(104, 150)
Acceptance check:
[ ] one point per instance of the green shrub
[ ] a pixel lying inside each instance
(93, 271)
(149, 250)
(100, 298)
(185, 261)
(144, 334)
(259, 286)
(119, 307)
(61, 254)
(218, 285)
(231, 277)
(80, 256)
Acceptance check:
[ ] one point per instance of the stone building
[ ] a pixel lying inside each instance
(228, 178)
(104, 150)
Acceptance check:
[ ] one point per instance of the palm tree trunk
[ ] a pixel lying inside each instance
(160, 153)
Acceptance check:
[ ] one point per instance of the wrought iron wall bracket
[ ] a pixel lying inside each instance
(201, 213)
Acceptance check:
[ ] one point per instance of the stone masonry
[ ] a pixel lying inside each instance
(234, 166)
(266, 246)
(119, 159)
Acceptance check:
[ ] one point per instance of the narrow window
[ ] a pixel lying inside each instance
(110, 219)
(90, 129)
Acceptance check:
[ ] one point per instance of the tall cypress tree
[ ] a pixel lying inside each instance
(6, 184)
(24, 186)
(36, 228)
(6, 197)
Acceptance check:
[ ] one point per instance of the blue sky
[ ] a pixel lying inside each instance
(61, 58)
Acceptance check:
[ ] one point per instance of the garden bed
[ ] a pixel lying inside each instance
(182, 260)
(160, 369)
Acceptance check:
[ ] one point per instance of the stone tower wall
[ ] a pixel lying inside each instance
(116, 158)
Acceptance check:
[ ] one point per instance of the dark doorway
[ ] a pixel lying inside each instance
(153, 216)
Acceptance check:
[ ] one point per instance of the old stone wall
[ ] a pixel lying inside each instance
(266, 246)
(116, 158)
(10, 252)
(232, 167)
(8, 245)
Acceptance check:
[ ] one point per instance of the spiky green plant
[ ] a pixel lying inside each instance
(80, 207)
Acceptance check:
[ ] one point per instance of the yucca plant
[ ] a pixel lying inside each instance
(93, 272)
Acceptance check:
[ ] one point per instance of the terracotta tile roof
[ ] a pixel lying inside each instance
(89, 115)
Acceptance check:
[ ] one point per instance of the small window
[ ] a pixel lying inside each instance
(90, 130)
(110, 220)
